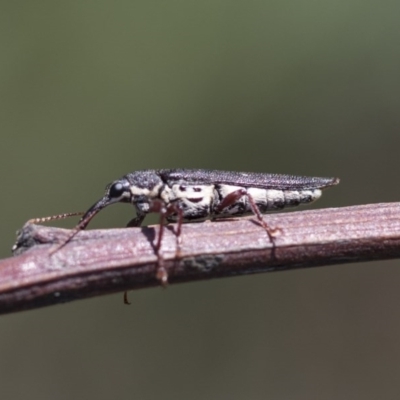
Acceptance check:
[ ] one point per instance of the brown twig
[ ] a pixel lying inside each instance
(106, 261)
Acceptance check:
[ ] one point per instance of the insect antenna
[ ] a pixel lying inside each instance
(87, 217)
(81, 225)
(54, 217)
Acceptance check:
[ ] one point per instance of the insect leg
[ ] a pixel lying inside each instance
(126, 300)
(137, 221)
(236, 195)
(158, 206)
(164, 210)
(178, 232)
(256, 211)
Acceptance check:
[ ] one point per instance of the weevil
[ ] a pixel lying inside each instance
(182, 195)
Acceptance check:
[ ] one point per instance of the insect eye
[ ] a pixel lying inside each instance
(116, 190)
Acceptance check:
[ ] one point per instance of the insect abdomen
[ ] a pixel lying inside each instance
(278, 199)
(265, 199)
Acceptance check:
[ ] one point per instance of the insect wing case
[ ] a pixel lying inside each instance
(245, 179)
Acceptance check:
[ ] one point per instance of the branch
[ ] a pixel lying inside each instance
(98, 262)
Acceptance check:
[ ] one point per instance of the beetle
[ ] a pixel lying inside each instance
(196, 195)
(183, 195)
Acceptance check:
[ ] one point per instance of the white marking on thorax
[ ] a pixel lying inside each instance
(194, 200)
(195, 194)
(150, 193)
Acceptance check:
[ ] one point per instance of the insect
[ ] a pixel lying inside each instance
(182, 195)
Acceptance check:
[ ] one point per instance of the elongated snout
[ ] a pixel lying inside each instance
(97, 207)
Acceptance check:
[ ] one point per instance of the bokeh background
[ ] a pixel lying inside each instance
(91, 90)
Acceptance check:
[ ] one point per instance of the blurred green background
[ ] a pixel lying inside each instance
(91, 90)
